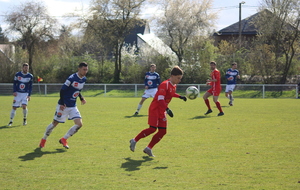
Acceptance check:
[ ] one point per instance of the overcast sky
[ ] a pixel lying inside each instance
(228, 10)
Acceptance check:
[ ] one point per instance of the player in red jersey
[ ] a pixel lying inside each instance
(157, 111)
(215, 90)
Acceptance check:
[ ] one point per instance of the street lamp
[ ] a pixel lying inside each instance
(240, 23)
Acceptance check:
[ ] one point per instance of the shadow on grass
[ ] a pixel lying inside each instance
(133, 165)
(130, 116)
(200, 117)
(37, 153)
(8, 127)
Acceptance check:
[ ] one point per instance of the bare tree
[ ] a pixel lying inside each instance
(183, 19)
(279, 28)
(111, 22)
(32, 23)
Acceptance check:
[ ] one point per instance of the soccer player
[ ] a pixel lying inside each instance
(215, 90)
(232, 74)
(152, 80)
(66, 107)
(157, 111)
(22, 88)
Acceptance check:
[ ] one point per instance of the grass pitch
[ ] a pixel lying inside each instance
(255, 145)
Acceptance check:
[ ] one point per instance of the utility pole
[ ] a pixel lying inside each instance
(240, 22)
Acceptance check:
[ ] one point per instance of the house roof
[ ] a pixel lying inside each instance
(247, 26)
(158, 45)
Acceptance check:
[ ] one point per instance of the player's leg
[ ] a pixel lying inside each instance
(25, 112)
(206, 100)
(60, 116)
(216, 100)
(48, 131)
(158, 136)
(16, 104)
(75, 115)
(12, 115)
(140, 105)
(144, 133)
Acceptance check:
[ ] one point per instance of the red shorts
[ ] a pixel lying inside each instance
(157, 120)
(214, 92)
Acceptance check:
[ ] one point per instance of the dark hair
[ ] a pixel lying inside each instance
(82, 64)
(176, 71)
(25, 64)
(234, 63)
(213, 62)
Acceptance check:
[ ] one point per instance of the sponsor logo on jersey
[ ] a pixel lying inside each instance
(22, 86)
(75, 84)
(19, 78)
(149, 82)
(75, 94)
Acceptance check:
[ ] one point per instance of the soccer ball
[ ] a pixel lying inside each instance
(192, 92)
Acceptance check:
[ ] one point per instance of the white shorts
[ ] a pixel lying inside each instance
(149, 93)
(230, 87)
(21, 98)
(70, 112)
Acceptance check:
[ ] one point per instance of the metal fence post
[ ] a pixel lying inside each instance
(263, 91)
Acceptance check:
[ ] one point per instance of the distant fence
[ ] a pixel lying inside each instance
(136, 90)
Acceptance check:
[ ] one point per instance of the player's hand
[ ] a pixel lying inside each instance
(28, 98)
(15, 94)
(83, 102)
(62, 107)
(182, 98)
(169, 112)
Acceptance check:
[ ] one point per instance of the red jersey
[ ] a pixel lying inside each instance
(166, 91)
(215, 75)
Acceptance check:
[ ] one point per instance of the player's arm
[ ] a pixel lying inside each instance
(83, 101)
(15, 84)
(146, 82)
(180, 97)
(30, 87)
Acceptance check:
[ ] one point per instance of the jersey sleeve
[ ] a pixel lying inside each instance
(30, 86)
(161, 94)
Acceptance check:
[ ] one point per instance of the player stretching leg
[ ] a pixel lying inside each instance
(22, 88)
(157, 111)
(215, 90)
(232, 74)
(66, 107)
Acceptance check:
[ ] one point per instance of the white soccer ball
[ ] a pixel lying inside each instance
(192, 92)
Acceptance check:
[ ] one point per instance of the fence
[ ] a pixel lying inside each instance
(136, 90)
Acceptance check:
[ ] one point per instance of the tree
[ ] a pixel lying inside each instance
(111, 22)
(183, 19)
(32, 23)
(279, 28)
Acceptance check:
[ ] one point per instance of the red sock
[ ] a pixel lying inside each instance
(219, 106)
(144, 133)
(157, 137)
(207, 103)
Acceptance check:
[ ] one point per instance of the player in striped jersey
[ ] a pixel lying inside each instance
(66, 107)
(232, 74)
(22, 89)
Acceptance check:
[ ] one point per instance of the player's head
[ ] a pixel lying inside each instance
(176, 75)
(25, 68)
(152, 67)
(234, 65)
(82, 69)
(213, 65)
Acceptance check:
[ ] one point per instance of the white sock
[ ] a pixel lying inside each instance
(12, 114)
(71, 131)
(48, 130)
(139, 107)
(230, 97)
(25, 111)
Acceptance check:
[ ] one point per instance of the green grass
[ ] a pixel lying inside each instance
(254, 146)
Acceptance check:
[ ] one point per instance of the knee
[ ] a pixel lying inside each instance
(162, 131)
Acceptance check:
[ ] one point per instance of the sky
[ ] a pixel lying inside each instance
(228, 10)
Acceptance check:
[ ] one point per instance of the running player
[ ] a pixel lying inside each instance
(22, 88)
(157, 111)
(66, 107)
(232, 74)
(152, 80)
(215, 90)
